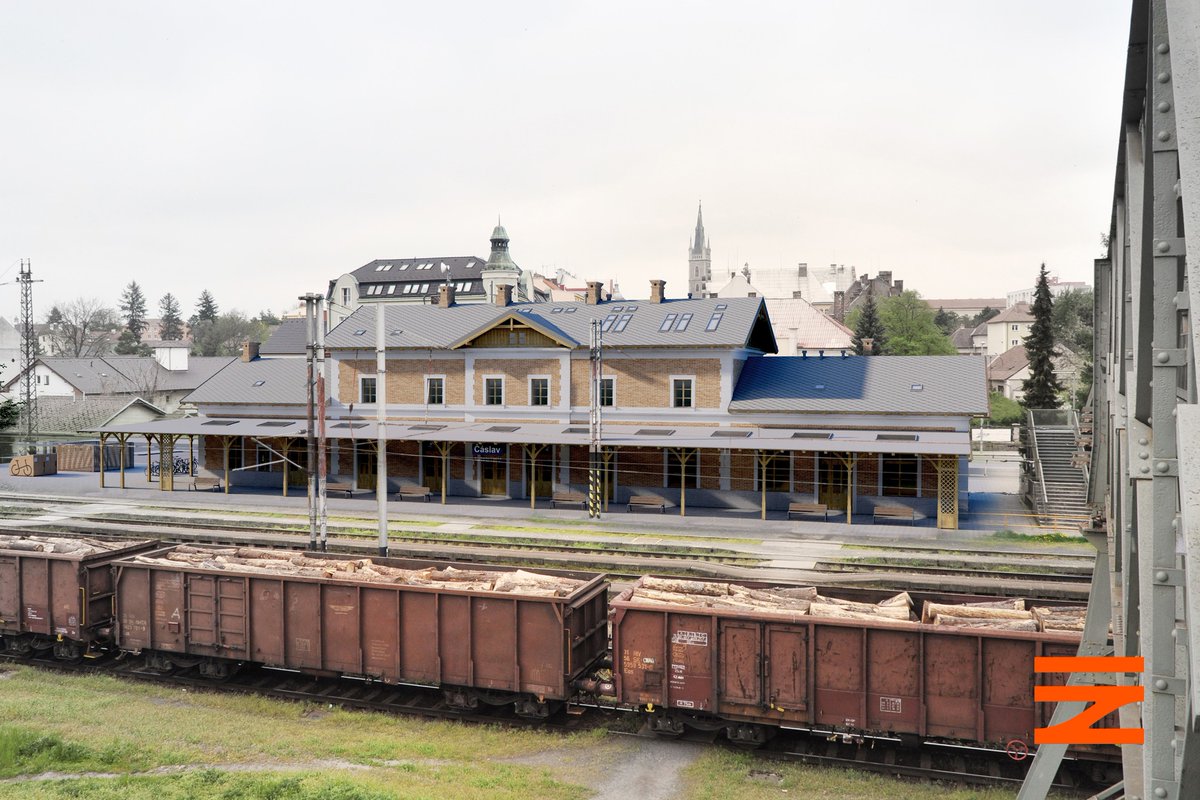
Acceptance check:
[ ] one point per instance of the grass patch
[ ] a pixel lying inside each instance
(26, 750)
(721, 774)
(1054, 537)
(901, 563)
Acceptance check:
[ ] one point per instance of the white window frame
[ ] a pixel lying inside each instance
(503, 393)
(428, 378)
(345, 296)
(375, 380)
(671, 391)
(612, 378)
(529, 390)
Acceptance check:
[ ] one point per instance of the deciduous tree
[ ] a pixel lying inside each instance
(910, 328)
(82, 328)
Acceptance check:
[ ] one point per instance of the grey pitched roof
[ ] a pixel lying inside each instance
(406, 271)
(961, 338)
(59, 415)
(92, 375)
(282, 382)
(863, 384)
(288, 339)
(632, 323)
(146, 374)
(1017, 313)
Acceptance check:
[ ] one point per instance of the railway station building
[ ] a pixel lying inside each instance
(493, 400)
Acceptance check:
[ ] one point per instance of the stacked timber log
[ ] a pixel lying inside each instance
(58, 544)
(363, 570)
(1006, 615)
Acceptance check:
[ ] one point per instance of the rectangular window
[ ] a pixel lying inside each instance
(539, 391)
(493, 391)
(235, 455)
(608, 322)
(685, 467)
(623, 322)
(435, 391)
(684, 319)
(668, 321)
(776, 472)
(1014, 327)
(262, 459)
(345, 297)
(366, 390)
(608, 392)
(899, 476)
(681, 393)
(714, 322)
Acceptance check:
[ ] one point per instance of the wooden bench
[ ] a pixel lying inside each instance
(647, 501)
(205, 483)
(808, 509)
(338, 486)
(894, 512)
(410, 490)
(568, 498)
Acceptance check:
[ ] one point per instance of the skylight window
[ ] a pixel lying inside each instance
(714, 321)
(360, 332)
(721, 306)
(403, 267)
(918, 387)
(684, 320)
(556, 311)
(668, 321)
(618, 309)
(623, 322)
(569, 310)
(259, 383)
(608, 322)
(424, 288)
(391, 288)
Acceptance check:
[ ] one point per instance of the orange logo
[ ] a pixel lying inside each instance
(1104, 700)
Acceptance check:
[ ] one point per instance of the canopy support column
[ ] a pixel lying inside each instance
(225, 444)
(684, 455)
(443, 449)
(947, 491)
(103, 437)
(850, 459)
(285, 449)
(166, 462)
(606, 455)
(532, 451)
(149, 451)
(191, 455)
(122, 439)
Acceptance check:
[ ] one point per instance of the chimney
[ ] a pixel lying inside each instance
(592, 297)
(839, 306)
(445, 296)
(884, 275)
(868, 345)
(503, 294)
(249, 350)
(899, 286)
(658, 290)
(803, 271)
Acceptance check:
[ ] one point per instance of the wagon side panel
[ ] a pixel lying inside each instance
(893, 680)
(268, 631)
(838, 672)
(419, 637)
(639, 657)
(381, 633)
(494, 657)
(951, 671)
(540, 650)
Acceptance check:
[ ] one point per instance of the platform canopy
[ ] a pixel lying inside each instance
(745, 437)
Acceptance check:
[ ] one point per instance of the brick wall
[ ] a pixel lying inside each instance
(402, 459)
(710, 469)
(640, 467)
(805, 465)
(646, 382)
(742, 465)
(405, 379)
(516, 374)
(868, 474)
(929, 477)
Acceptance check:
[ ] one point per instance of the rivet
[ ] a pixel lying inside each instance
(1160, 792)
(1162, 466)
(1164, 136)
(1163, 247)
(1163, 357)
(1163, 77)
(1143, 455)
(1145, 470)
(1163, 49)
(1143, 441)
(1163, 107)
(1161, 685)
(1160, 576)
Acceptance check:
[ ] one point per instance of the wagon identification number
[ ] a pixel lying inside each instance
(891, 705)
(1103, 699)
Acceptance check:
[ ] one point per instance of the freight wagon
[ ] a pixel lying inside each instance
(329, 615)
(57, 592)
(753, 670)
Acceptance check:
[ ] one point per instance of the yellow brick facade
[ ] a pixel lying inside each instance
(516, 373)
(646, 382)
(405, 379)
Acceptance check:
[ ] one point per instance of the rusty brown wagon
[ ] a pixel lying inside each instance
(752, 671)
(57, 592)
(476, 645)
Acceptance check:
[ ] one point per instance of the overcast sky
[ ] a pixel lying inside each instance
(261, 149)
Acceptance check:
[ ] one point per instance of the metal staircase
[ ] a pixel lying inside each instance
(1058, 472)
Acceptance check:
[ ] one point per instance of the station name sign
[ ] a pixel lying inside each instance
(487, 449)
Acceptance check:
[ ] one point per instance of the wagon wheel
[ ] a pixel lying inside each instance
(1017, 750)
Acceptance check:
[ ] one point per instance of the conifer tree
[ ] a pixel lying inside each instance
(869, 327)
(206, 307)
(133, 306)
(172, 324)
(1041, 387)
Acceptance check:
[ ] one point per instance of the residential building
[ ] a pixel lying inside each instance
(10, 349)
(493, 400)
(1056, 286)
(418, 280)
(1007, 372)
(798, 326)
(966, 306)
(1008, 329)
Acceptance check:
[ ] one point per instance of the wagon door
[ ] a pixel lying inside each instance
(10, 604)
(741, 663)
(34, 581)
(217, 612)
(787, 667)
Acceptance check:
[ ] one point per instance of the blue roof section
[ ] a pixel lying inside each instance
(953, 385)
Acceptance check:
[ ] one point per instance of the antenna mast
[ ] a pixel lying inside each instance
(28, 352)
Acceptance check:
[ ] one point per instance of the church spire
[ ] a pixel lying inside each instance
(699, 242)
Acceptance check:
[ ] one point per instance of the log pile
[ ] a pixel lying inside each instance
(361, 570)
(1005, 615)
(57, 544)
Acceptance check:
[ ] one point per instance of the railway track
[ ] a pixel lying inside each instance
(931, 762)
